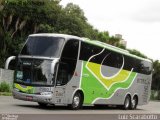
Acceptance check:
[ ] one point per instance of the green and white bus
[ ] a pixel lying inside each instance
(66, 70)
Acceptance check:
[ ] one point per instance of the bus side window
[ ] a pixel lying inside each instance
(113, 59)
(88, 50)
(147, 68)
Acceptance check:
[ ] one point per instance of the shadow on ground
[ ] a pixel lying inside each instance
(62, 108)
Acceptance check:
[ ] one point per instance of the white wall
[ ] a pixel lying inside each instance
(6, 75)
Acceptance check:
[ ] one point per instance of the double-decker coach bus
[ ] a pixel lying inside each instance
(68, 70)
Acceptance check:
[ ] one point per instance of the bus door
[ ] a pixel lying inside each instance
(66, 69)
(62, 79)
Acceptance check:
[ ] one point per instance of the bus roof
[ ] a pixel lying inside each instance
(55, 35)
(94, 42)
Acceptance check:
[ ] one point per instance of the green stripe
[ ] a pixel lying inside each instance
(27, 89)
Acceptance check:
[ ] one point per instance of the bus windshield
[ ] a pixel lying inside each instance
(43, 46)
(34, 72)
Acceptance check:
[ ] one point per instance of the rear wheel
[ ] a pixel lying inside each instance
(127, 103)
(134, 103)
(77, 101)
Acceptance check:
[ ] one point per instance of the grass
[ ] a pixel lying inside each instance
(5, 89)
(5, 94)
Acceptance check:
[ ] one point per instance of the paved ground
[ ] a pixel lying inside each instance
(12, 109)
(12, 106)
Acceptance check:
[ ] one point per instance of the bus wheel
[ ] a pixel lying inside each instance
(127, 103)
(134, 103)
(76, 102)
(42, 104)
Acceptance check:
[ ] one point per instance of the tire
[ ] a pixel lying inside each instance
(76, 101)
(42, 104)
(127, 103)
(134, 103)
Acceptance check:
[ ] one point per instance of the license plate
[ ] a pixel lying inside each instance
(29, 98)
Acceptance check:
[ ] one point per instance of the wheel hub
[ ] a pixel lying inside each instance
(127, 103)
(76, 101)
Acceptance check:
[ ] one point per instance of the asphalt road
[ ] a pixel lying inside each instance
(8, 105)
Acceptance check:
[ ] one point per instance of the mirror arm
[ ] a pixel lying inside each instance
(9, 60)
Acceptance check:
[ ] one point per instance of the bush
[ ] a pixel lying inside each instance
(5, 87)
(155, 95)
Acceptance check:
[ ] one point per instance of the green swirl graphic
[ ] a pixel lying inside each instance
(96, 87)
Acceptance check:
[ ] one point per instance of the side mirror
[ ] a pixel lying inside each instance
(8, 61)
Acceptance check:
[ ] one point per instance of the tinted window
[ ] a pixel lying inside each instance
(109, 58)
(43, 46)
(144, 67)
(113, 59)
(88, 50)
(68, 62)
(70, 50)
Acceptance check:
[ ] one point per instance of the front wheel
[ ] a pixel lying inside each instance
(76, 101)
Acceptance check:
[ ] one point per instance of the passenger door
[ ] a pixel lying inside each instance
(66, 69)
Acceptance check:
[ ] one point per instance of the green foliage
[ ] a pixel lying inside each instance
(72, 21)
(104, 36)
(5, 87)
(113, 41)
(121, 46)
(45, 28)
(155, 95)
(5, 94)
(19, 18)
(75, 10)
(156, 76)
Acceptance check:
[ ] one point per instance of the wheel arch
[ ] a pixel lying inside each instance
(80, 91)
(127, 94)
(136, 95)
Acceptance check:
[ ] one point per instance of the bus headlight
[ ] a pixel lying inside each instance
(46, 93)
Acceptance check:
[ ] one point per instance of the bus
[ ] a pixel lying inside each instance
(59, 69)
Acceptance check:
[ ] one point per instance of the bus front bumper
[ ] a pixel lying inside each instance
(33, 97)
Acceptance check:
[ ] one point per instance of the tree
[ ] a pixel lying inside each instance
(156, 76)
(75, 10)
(103, 36)
(71, 21)
(113, 41)
(20, 18)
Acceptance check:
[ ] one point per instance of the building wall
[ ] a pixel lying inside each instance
(6, 75)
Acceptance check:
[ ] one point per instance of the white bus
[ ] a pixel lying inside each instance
(68, 70)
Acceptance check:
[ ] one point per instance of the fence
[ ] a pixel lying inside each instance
(6, 75)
